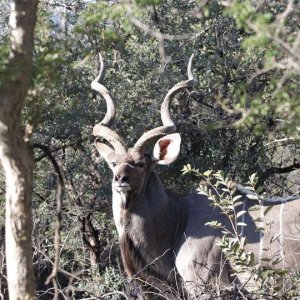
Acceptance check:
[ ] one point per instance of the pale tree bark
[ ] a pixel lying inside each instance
(15, 154)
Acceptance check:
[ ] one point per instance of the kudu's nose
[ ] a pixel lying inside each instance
(121, 178)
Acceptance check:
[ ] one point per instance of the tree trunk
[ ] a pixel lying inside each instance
(15, 154)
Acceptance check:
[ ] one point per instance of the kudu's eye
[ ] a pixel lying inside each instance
(140, 164)
(114, 164)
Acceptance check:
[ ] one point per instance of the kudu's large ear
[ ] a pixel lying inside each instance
(167, 149)
(104, 150)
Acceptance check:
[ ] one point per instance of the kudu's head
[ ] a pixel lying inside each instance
(131, 166)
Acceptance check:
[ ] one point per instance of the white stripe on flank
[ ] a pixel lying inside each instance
(243, 220)
(281, 233)
(261, 242)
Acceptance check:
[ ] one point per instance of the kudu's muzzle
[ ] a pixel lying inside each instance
(121, 178)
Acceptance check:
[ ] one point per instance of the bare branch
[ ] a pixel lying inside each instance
(74, 276)
(161, 37)
(59, 205)
(288, 140)
(149, 265)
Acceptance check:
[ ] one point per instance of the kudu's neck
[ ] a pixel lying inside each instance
(152, 212)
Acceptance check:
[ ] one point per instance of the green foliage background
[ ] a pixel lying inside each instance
(242, 116)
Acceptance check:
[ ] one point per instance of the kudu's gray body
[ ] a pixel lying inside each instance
(163, 236)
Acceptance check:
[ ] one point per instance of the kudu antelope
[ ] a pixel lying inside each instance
(163, 237)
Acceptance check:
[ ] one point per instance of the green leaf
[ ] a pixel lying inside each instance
(235, 198)
(240, 213)
(241, 224)
(252, 197)
(253, 178)
(200, 192)
(268, 209)
(207, 173)
(254, 208)
(277, 260)
(275, 238)
(259, 229)
(243, 241)
(266, 259)
(214, 224)
(259, 219)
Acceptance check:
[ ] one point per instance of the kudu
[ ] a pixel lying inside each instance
(163, 236)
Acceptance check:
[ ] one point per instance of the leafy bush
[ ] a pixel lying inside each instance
(269, 282)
